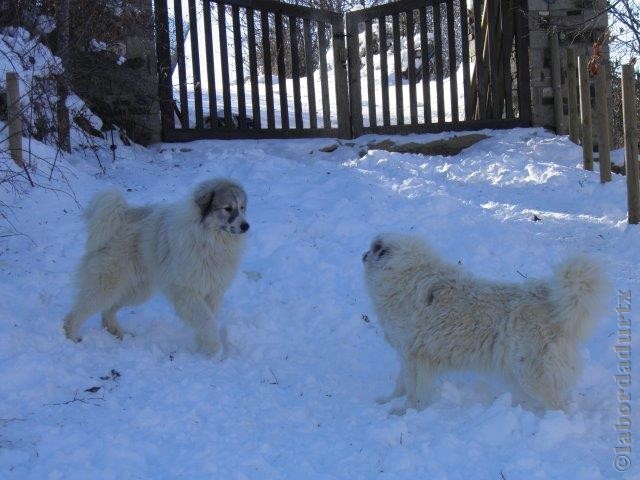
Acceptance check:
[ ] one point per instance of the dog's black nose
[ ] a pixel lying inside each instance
(244, 226)
(364, 256)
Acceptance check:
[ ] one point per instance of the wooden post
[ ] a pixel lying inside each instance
(15, 119)
(602, 124)
(585, 113)
(630, 120)
(574, 132)
(557, 84)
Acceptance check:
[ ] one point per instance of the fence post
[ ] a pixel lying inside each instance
(602, 124)
(557, 84)
(585, 113)
(630, 120)
(574, 133)
(15, 118)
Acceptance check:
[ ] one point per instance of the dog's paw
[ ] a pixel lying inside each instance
(70, 331)
(211, 346)
(399, 411)
(386, 399)
(118, 332)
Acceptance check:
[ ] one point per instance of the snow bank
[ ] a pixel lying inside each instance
(295, 398)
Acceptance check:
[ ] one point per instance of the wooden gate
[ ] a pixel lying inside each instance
(248, 82)
(266, 69)
(448, 82)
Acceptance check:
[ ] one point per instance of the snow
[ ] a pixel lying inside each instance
(295, 397)
(33, 62)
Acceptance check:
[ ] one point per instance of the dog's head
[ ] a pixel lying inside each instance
(392, 250)
(378, 249)
(222, 205)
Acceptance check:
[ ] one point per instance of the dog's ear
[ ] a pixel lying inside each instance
(204, 199)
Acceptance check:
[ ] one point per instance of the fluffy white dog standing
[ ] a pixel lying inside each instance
(439, 318)
(190, 250)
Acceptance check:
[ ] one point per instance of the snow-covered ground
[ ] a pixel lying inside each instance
(295, 399)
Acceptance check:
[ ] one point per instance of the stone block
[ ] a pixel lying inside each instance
(136, 48)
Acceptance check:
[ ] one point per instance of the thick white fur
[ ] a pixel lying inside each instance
(133, 251)
(439, 318)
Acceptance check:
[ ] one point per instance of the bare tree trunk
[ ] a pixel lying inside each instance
(64, 140)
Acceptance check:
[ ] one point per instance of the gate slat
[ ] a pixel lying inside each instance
(324, 82)
(426, 80)
(239, 61)
(182, 70)
(413, 100)
(311, 87)
(481, 79)
(355, 81)
(464, 32)
(161, 17)
(437, 27)
(195, 62)
(224, 64)
(295, 70)
(384, 71)
(266, 59)
(453, 74)
(282, 72)
(397, 66)
(506, 14)
(253, 68)
(341, 79)
(496, 108)
(211, 77)
(371, 84)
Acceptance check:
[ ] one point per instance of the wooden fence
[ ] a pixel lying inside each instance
(588, 114)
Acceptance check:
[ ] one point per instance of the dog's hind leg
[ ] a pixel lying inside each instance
(197, 313)
(110, 322)
(550, 377)
(76, 317)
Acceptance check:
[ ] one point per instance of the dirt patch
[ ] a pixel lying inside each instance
(445, 147)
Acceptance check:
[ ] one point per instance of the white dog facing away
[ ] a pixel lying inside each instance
(439, 318)
(190, 250)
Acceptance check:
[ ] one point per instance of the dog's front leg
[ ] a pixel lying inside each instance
(214, 300)
(194, 309)
(398, 391)
(410, 380)
(425, 379)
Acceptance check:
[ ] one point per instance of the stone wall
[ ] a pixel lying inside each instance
(578, 25)
(119, 80)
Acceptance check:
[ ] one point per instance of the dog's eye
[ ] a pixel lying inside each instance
(376, 246)
(228, 209)
(242, 208)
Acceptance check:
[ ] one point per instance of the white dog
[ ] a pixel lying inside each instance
(190, 250)
(439, 318)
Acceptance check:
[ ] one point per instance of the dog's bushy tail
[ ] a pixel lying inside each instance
(578, 292)
(105, 214)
